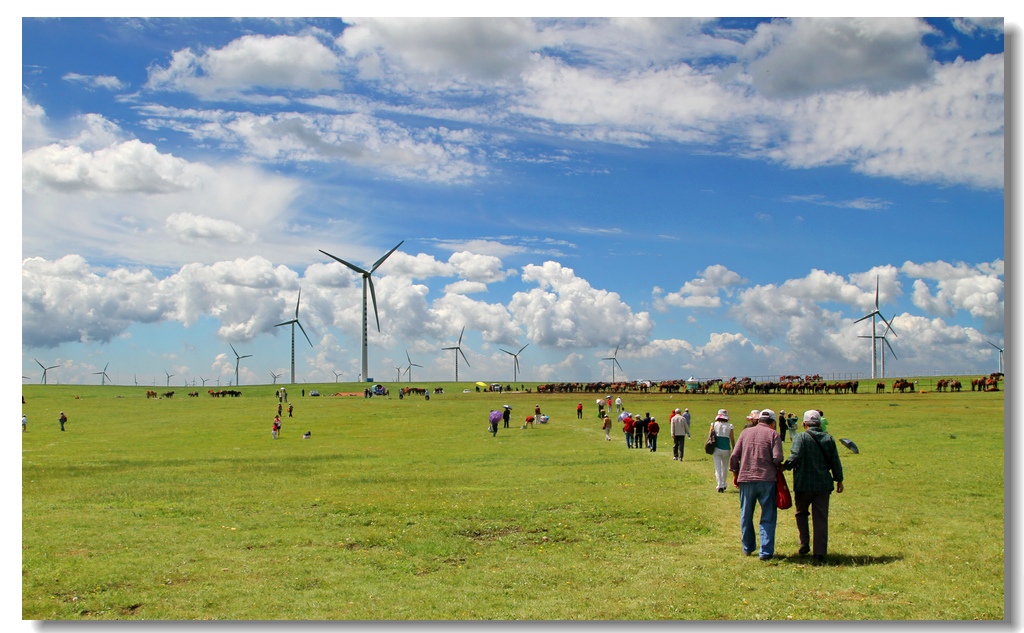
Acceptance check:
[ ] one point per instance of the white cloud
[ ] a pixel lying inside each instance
(803, 56)
(33, 125)
(702, 292)
(959, 287)
(106, 82)
(187, 227)
(249, 64)
(565, 311)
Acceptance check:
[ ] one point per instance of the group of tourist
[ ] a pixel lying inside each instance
(756, 460)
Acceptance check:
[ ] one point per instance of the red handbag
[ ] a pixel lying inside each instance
(783, 500)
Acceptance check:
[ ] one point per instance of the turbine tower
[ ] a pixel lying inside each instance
(169, 376)
(881, 349)
(237, 360)
(615, 361)
(515, 361)
(102, 374)
(45, 369)
(408, 369)
(1000, 355)
(874, 336)
(367, 283)
(293, 323)
(336, 374)
(458, 350)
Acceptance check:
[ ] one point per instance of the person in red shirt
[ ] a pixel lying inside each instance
(579, 411)
(652, 434)
(627, 428)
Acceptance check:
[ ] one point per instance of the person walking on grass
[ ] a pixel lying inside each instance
(63, 419)
(814, 460)
(725, 439)
(627, 428)
(607, 429)
(506, 415)
(275, 428)
(640, 429)
(579, 411)
(652, 435)
(289, 410)
(755, 459)
(680, 430)
(24, 423)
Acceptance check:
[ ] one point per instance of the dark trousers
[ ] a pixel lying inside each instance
(638, 438)
(677, 447)
(653, 441)
(818, 504)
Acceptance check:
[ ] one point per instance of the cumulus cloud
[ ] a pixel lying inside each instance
(249, 64)
(187, 227)
(565, 311)
(958, 287)
(802, 56)
(702, 292)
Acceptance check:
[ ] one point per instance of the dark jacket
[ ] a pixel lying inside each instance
(814, 461)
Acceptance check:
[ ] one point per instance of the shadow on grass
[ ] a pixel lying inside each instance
(838, 560)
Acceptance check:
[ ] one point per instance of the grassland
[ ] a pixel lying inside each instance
(185, 508)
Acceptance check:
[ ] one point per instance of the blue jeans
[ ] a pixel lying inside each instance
(751, 494)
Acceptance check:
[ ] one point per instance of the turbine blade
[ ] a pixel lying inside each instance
(522, 348)
(889, 325)
(507, 352)
(386, 255)
(989, 342)
(297, 299)
(373, 296)
(38, 363)
(886, 341)
(463, 356)
(876, 293)
(866, 317)
(287, 323)
(407, 357)
(461, 333)
(303, 332)
(340, 260)
(233, 349)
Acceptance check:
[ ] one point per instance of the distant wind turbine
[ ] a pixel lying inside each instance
(336, 375)
(169, 376)
(204, 380)
(874, 336)
(888, 329)
(275, 376)
(237, 360)
(615, 361)
(1000, 349)
(458, 350)
(102, 374)
(515, 359)
(293, 323)
(367, 283)
(408, 369)
(45, 369)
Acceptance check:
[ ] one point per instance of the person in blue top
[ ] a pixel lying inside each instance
(815, 463)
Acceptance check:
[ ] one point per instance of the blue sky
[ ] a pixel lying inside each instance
(713, 197)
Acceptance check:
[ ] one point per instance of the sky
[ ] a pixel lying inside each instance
(695, 197)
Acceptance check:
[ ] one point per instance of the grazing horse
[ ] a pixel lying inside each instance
(151, 394)
(880, 387)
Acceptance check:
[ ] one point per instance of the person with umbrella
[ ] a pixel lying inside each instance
(494, 418)
(815, 463)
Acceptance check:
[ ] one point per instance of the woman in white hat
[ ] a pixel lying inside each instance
(725, 439)
(755, 415)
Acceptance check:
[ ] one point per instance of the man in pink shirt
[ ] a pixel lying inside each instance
(755, 460)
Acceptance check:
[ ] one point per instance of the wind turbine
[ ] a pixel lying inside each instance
(874, 336)
(169, 376)
(458, 350)
(887, 330)
(336, 374)
(293, 323)
(203, 379)
(515, 361)
(367, 283)
(102, 374)
(1000, 355)
(615, 361)
(275, 377)
(398, 374)
(237, 360)
(408, 369)
(45, 369)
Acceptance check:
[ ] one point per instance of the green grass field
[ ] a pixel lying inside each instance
(185, 508)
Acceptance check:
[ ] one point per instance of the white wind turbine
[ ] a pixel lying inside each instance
(458, 350)
(367, 283)
(515, 361)
(169, 376)
(102, 374)
(45, 369)
(293, 323)
(336, 375)
(874, 335)
(237, 360)
(615, 361)
(881, 349)
(275, 376)
(1000, 349)
(411, 364)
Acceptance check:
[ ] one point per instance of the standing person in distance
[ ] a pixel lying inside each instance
(756, 459)
(607, 426)
(815, 463)
(680, 430)
(63, 420)
(627, 428)
(24, 422)
(725, 439)
(506, 415)
(579, 411)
